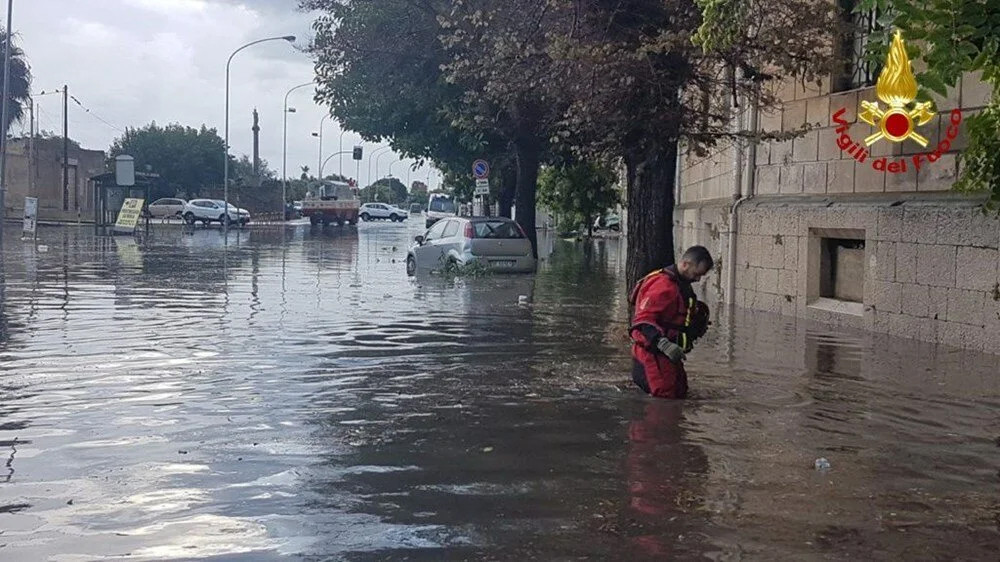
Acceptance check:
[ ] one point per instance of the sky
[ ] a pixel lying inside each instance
(130, 62)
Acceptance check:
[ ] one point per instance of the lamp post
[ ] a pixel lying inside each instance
(341, 149)
(3, 119)
(371, 156)
(377, 160)
(284, 148)
(225, 173)
(328, 158)
(319, 160)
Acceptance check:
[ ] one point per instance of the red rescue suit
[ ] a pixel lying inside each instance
(665, 307)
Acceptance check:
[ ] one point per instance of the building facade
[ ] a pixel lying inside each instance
(815, 228)
(37, 171)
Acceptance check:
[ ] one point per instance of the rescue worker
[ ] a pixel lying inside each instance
(668, 318)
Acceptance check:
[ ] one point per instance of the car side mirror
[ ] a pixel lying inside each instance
(419, 240)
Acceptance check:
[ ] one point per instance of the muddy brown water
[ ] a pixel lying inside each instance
(295, 396)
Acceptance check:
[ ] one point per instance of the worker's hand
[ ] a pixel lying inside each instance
(673, 351)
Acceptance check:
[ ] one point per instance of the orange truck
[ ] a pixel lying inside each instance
(334, 203)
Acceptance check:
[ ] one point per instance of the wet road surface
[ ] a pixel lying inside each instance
(297, 397)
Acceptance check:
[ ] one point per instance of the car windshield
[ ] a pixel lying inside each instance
(442, 205)
(497, 229)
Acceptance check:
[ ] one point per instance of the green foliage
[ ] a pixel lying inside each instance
(419, 194)
(578, 193)
(20, 82)
(188, 160)
(385, 190)
(952, 39)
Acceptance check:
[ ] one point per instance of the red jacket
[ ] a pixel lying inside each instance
(665, 302)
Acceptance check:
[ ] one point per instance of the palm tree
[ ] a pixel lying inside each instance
(19, 94)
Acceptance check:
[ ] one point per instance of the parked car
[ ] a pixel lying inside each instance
(382, 211)
(416, 209)
(167, 207)
(610, 221)
(496, 242)
(212, 210)
(440, 206)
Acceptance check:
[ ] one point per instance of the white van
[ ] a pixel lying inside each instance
(440, 206)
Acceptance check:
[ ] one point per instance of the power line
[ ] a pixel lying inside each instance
(96, 116)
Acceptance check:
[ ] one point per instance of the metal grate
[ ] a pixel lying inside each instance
(858, 71)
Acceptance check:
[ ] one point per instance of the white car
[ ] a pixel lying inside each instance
(211, 210)
(382, 211)
(497, 243)
(439, 206)
(167, 207)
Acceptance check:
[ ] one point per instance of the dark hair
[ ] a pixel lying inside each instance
(699, 255)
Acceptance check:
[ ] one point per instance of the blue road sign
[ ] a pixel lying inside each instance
(480, 169)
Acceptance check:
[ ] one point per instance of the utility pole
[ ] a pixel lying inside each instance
(3, 118)
(31, 147)
(65, 147)
(256, 145)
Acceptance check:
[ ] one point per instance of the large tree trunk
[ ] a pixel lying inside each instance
(528, 156)
(508, 186)
(651, 175)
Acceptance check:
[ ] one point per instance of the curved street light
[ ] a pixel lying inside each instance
(328, 158)
(225, 173)
(377, 160)
(371, 156)
(284, 148)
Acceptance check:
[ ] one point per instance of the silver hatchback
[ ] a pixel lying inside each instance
(495, 242)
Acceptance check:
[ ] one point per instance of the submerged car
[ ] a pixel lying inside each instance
(494, 242)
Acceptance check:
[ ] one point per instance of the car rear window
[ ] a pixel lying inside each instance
(497, 229)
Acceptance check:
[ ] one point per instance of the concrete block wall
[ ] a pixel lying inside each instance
(813, 164)
(932, 269)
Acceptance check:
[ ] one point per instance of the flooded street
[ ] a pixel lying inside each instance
(298, 397)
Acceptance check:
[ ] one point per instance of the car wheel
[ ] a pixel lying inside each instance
(394, 217)
(365, 217)
(189, 218)
(314, 220)
(411, 266)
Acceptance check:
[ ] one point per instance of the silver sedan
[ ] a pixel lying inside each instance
(494, 242)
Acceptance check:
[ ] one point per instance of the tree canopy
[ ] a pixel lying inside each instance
(19, 93)
(953, 39)
(188, 160)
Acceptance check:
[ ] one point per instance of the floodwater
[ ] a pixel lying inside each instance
(298, 397)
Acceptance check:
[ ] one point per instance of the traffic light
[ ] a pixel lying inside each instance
(357, 152)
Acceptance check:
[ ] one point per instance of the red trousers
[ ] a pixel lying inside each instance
(657, 375)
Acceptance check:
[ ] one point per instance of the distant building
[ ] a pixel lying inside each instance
(39, 174)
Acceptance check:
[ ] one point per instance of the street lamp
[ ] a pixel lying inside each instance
(284, 148)
(341, 149)
(391, 164)
(225, 173)
(377, 160)
(319, 161)
(3, 119)
(372, 156)
(328, 158)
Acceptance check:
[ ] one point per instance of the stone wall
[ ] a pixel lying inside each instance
(46, 169)
(930, 267)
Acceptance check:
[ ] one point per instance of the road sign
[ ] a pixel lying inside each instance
(481, 169)
(30, 215)
(128, 217)
(482, 187)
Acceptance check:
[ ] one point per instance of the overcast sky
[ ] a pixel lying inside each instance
(134, 61)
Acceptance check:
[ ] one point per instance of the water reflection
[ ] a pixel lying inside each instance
(294, 394)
